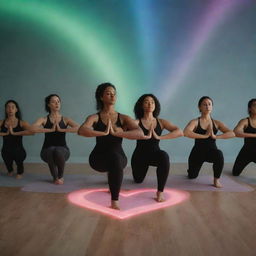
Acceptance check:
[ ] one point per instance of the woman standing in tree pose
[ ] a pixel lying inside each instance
(147, 151)
(246, 128)
(12, 129)
(204, 130)
(55, 151)
(109, 127)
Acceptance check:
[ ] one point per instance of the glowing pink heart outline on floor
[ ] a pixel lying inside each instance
(172, 197)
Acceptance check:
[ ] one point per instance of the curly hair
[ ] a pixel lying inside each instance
(138, 108)
(99, 93)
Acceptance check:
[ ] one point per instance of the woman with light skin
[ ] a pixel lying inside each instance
(246, 128)
(55, 151)
(204, 130)
(109, 127)
(147, 152)
(12, 128)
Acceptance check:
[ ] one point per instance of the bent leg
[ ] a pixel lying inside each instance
(60, 156)
(113, 163)
(242, 160)
(140, 166)
(195, 162)
(160, 159)
(47, 156)
(215, 156)
(8, 160)
(19, 157)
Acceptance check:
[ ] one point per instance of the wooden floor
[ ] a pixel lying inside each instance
(209, 223)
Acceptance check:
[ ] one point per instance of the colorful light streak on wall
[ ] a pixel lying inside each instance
(84, 35)
(216, 12)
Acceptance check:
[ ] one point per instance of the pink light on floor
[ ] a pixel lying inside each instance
(132, 202)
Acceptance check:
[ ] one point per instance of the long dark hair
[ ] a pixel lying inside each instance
(17, 114)
(202, 99)
(47, 101)
(99, 93)
(138, 109)
(250, 105)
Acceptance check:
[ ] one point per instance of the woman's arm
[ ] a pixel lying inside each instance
(189, 131)
(239, 130)
(25, 125)
(86, 129)
(73, 126)
(226, 132)
(36, 127)
(3, 133)
(174, 131)
(131, 130)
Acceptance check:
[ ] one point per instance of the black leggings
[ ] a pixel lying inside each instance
(55, 157)
(113, 163)
(245, 156)
(18, 155)
(141, 161)
(200, 155)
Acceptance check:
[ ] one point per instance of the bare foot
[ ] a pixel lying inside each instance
(216, 183)
(115, 205)
(18, 176)
(10, 174)
(61, 181)
(159, 197)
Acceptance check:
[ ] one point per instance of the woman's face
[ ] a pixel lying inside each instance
(54, 103)
(206, 106)
(11, 109)
(148, 104)
(253, 108)
(109, 96)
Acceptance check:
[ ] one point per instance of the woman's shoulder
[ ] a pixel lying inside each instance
(244, 121)
(124, 117)
(93, 117)
(194, 121)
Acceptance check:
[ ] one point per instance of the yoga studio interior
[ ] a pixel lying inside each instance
(127, 127)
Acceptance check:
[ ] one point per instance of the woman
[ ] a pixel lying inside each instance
(147, 151)
(55, 151)
(204, 130)
(109, 127)
(246, 128)
(12, 129)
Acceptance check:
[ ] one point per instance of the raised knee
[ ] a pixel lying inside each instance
(139, 181)
(164, 157)
(192, 176)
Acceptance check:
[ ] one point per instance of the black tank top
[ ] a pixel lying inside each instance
(250, 142)
(151, 144)
(54, 138)
(108, 142)
(12, 141)
(209, 142)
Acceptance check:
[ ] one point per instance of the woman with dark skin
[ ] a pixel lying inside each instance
(204, 130)
(147, 151)
(12, 128)
(55, 151)
(109, 127)
(246, 128)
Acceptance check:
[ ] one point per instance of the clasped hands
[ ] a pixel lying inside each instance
(112, 129)
(209, 132)
(56, 127)
(151, 133)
